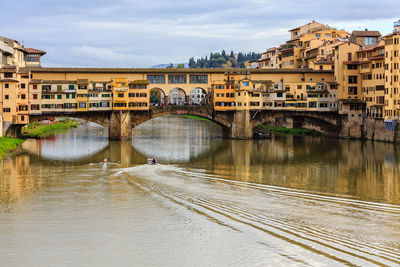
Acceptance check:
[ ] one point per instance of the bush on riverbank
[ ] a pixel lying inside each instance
(36, 130)
(8, 145)
(194, 117)
(294, 131)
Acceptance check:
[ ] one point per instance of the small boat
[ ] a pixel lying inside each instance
(151, 161)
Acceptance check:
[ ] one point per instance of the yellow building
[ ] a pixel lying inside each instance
(9, 93)
(372, 72)
(139, 95)
(224, 92)
(82, 94)
(392, 83)
(120, 94)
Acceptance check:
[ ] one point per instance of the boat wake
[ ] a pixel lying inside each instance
(298, 226)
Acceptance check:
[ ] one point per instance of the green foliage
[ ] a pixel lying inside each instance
(41, 130)
(219, 60)
(194, 117)
(294, 131)
(8, 144)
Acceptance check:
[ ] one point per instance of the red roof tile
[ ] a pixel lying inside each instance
(34, 51)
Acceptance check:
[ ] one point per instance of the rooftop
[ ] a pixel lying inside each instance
(34, 51)
(366, 33)
(166, 71)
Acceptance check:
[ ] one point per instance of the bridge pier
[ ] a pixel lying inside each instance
(241, 126)
(15, 131)
(120, 126)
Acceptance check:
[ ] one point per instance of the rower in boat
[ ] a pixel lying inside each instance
(151, 161)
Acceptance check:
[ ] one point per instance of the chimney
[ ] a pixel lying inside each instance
(397, 26)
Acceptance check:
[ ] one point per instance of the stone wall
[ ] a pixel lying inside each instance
(375, 130)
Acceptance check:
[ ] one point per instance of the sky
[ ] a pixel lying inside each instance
(138, 33)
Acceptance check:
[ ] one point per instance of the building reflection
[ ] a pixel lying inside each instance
(368, 171)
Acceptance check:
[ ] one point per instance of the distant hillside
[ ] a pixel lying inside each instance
(223, 60)
(170, 65)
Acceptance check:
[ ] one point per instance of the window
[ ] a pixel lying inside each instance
(371, 40)
(22, 86)
(34, 96)
(177, 79)
(23, 96)
(8, 75)
(352, 79)
(119, 104)
(32, 57)
(71, 87)
(352, 66)
(46, 87)
(6, 110)
(352, 90)
(198, 79)
(6, 97)
(82, 105)
(59, 88)
(59, 96)
(120, 95)
(35, 107)
(35, 86)
(6, 85)
(160, 79)
(349, 56)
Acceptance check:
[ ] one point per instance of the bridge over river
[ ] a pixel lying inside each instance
(235, 124)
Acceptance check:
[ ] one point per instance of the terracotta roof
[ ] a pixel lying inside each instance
(34, 51)
(391, 34)
(58, 82)
(351, 62)
(35, 81)
(8, 80)
(376, 57)
(366, 34)
(351, 101)
(322, 61)
(164, 71)
(370, 48)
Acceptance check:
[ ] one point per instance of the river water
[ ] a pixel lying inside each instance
(210, 202)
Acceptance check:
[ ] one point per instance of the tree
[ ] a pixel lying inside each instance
(192, 63)
(223, 53)
(233, 62)
(180, 66)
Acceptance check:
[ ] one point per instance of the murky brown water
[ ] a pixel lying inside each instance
(210, 202)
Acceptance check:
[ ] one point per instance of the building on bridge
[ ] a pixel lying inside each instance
(248, 94)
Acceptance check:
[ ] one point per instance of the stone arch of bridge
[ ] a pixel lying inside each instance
(224, 120)
(157, 96)
(100, 118)
(329, 126)
(177, 96)
(198, 96)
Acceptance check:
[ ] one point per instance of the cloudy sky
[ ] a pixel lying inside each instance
(139, 33)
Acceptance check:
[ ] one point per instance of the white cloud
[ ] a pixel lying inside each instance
(128, 33)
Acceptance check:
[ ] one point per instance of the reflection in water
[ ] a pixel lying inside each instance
(162, 139)
(75, 144)
(284, 201)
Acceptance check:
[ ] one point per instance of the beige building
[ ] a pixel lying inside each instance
(392, 83)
